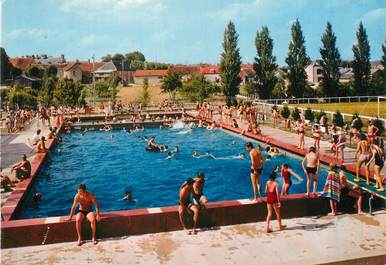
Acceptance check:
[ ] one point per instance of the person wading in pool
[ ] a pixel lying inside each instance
(257, 164)
(311, 168)
(186, 205)
(85, 200)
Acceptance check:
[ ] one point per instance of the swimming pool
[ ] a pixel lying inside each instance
(110, 166)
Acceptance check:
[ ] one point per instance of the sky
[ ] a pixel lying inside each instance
(180, 31)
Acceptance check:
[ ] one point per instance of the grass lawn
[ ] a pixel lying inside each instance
(133, 94)
(363, 108)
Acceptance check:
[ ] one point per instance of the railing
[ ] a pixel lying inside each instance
(268, 106)
(279, 101)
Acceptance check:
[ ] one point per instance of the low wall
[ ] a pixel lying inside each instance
(17, 233)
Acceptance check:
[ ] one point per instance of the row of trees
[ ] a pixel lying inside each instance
(293, 81)
(133, 61)
(58, 92)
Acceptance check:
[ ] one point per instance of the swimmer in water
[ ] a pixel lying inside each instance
(195, 154)
(176, 150)
(37, 197)
(170, 155)
(128, 196)
(233, 142)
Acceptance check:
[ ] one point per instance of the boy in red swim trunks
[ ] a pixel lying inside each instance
(273, 201)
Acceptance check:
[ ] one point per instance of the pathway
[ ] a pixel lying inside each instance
(313, 240)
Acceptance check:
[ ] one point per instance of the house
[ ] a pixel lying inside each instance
(246, 73)
(26, 81)
(211, 73)
(105, 71)
(346, 74)
(314, 73)
(49, 60)
(87, 68)
(73, 71)
(154, 77)
(21, 63)
(185, 71)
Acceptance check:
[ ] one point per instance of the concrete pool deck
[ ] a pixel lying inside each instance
(353, 239)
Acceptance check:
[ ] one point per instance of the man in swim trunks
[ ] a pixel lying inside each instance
(22, 169)
(198, 187)
(363, 148)
(257, 164)
(186, 205)
(85, 200)
(311, 169)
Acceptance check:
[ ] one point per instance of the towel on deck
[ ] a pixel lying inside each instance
(332, 187)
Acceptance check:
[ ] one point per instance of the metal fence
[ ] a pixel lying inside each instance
(279, 101)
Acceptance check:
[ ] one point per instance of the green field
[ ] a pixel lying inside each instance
(363, 108)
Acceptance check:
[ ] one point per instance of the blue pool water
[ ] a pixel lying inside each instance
(110, 166)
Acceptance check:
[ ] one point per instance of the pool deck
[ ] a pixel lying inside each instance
(344, 239)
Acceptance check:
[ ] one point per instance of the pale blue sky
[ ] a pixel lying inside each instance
(178, 31)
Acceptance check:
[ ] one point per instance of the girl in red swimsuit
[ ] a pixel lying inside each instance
(286, 174)
(273, 201)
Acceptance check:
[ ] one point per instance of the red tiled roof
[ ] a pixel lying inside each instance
(70, 65)
(87, 66)
(185, 69)
(210, 69)
(144, 73)
(21, 63)
(246, 70)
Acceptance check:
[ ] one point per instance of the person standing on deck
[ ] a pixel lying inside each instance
(363, 149)
(85, 200)
(301, 130)
(257, 164)
(311, 168)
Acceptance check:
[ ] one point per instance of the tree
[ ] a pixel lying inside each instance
(285, 112)
(135, 56)
(136, 65)
(356, 122)
(230, 64)
(46, 93)
(378, 81)
(330, 63)
(155, 66)
(67, 92)
(171, 83)
(107, 58)
(21, 97)
(51, 71)
(297, 60)
(265, 64)
(102, 88)
(34, 71)
(309, 115)
(197, 88)
(295, 114)
(361, 62)
(145, 96)
(8, 71)
(337, 118)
